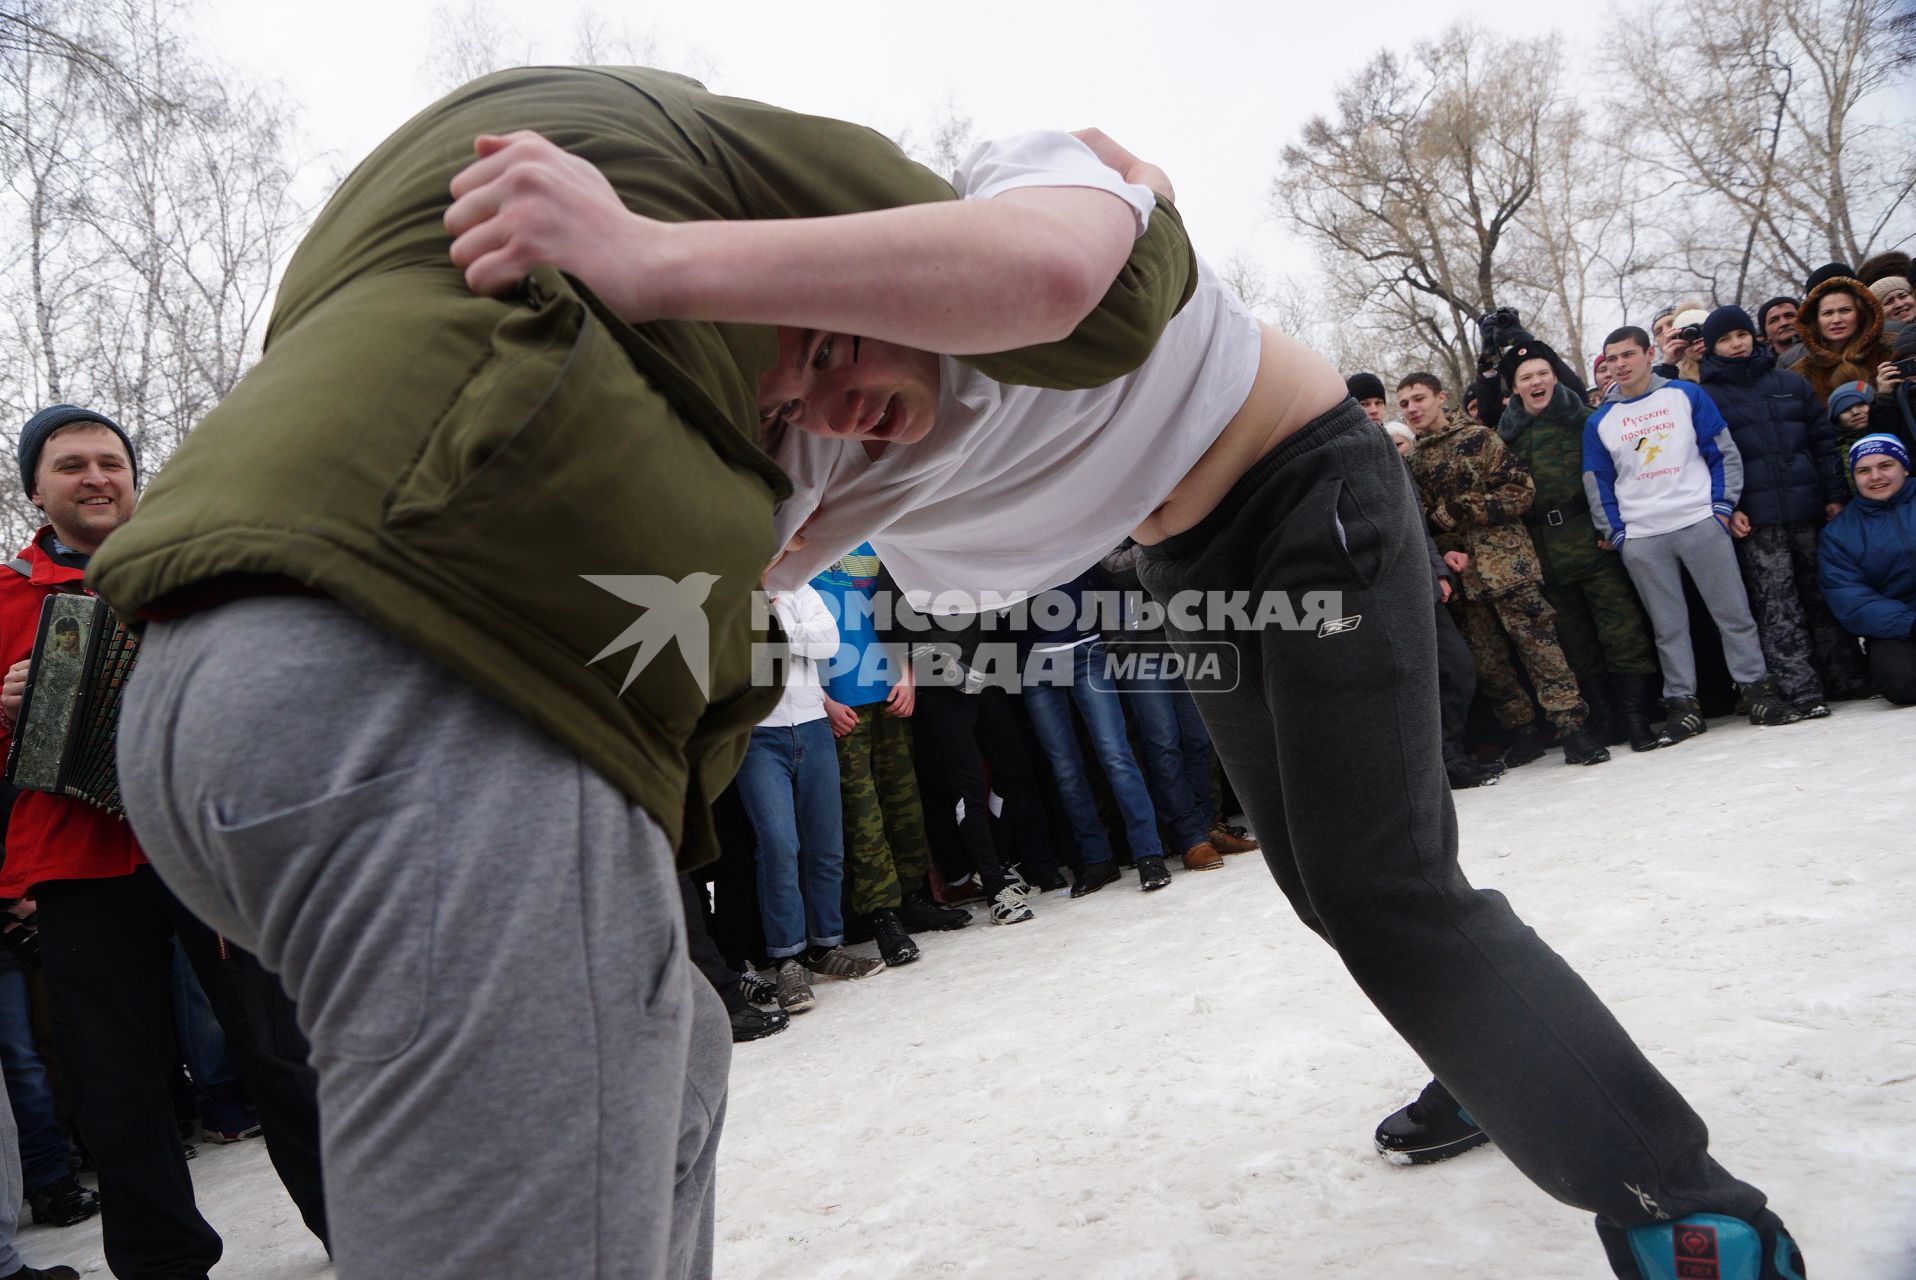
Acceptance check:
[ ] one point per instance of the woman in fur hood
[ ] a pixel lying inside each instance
(1841, 325)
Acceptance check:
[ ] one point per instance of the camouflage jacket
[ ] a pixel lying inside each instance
(1475, 495)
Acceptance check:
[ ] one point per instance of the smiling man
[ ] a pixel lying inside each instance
(1092, 380)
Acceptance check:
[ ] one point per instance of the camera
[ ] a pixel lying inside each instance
(1501, 327)
(1691, 333)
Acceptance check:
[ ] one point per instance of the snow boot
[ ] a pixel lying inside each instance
(1526, 744)
(1684, 719)
(1581, 746)
(1636, 695)
(1430, 1129)
(1765, 703)
(1465, 772)
(1094, 877)
(1704, 1245)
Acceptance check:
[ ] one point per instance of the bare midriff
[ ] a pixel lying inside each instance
(1293, 386)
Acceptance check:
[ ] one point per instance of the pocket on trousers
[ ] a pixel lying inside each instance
(342, 893)
(1327, 540)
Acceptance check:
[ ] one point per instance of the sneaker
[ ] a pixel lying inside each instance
(1201, 857)
(63, 1202)
(1815, 709)
(1015, 880)
(794, 993)
(1526, 744)
(836, 963)
(1009, 907)
(752, 1023)
(756, 987)
(42, 1273)
(1228, 840)
(1580, 746)
(1094, 877)
(921, 915)
(893, 942)
(226, 1117)
(1766, 704)
(1684, 721)
(1430, 1129)
(1705, 1244)
(1153, 874)
(1465, 772)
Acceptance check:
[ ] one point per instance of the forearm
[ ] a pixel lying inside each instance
(958, 278)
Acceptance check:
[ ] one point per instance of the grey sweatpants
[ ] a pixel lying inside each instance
(1656, 564)
(520, 1073)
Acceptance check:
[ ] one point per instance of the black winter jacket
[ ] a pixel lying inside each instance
(1782, 428)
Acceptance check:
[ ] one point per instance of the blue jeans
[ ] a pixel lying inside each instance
(202, 1043)
(43, 1148)
(788, 783)
(1177, 752)
(1050, 707)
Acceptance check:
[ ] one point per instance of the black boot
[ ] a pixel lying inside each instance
(1526, 744)
(1465, 772)
(1606, 719)
(1581, 746)
(893, 943)
(1430, 1129)
(1637, 696)
(921, 915)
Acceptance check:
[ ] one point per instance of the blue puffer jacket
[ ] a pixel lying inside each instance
(1782, 429)
(1867, 566)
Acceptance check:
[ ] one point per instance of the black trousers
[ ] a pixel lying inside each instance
(700, 947)
(1330, 736)
(1456, 681)
(1892, 669)
(969, 730)
(104, 949)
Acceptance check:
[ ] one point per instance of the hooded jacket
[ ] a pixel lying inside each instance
(1829, 367)
(1866, 565)
(1782, 429)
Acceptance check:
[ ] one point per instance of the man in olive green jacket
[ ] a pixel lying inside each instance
(387, 733)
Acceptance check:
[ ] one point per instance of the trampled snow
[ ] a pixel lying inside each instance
(1183, 1084)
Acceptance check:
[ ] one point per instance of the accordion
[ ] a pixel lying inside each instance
(66, 736)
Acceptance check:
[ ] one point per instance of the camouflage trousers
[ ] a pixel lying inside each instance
(1524, 619)
(1809, 654)
(885, 851)
(1600, 624)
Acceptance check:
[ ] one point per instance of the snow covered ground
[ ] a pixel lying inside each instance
(1184, 1084)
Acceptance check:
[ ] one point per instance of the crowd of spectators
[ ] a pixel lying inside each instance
(1716, 521)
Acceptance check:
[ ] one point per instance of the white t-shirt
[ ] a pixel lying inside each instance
(1016, 489)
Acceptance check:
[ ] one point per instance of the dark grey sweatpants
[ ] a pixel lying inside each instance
(1330, 738)
(520, 1074)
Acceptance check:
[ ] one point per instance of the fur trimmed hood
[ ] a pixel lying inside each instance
(1828, 369)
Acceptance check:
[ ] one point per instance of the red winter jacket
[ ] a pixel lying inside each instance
(51, 837)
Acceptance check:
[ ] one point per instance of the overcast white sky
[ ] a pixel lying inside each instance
(1209, 90)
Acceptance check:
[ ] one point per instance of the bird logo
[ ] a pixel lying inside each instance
(1651, 455)
(674, 611)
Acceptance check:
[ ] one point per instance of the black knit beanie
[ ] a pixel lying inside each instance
(1726, 320)
(33, 437)
(1763, 312)
(1365, 386)
(1828, 271)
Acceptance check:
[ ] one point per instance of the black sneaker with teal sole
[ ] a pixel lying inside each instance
(1430, 1129)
